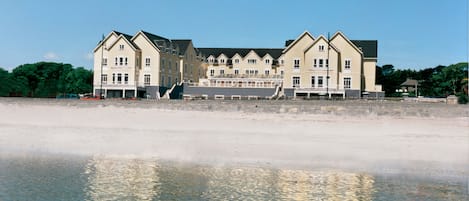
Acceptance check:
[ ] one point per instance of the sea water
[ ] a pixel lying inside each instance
(67, 177)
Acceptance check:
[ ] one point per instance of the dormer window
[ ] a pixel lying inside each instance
(267, 61)
(147, 62)
(321, 48)
(252, 61)
(222, 61)
(236, 61)
(121, 47)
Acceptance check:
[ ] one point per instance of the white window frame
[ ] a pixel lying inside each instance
(267, 72)
(321, 48)
(104, 78)
(121, 47)
(236, 61)
(119, 78)
(320, 84)
(126, 78)
(104, 61)
(315, 63)
(146, 79)
(252, 61)
(313, 82)
(321, 63)
(212, 72)
(296, 63)
(347, 64)
(236, 71)
(267, 61)
(147, 62)
(222, 71)
(296, 81)
(347, 82)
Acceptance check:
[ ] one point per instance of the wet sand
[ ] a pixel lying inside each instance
(427, 139)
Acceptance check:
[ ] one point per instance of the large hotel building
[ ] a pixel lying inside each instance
(150, 66)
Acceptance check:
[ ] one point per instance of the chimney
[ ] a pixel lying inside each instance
(288, 42)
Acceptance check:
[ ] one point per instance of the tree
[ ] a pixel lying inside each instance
(447, 81)
(79, 81)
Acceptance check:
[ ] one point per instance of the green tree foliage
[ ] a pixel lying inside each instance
(439, 81)
(47, 79)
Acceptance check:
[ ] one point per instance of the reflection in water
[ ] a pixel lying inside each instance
(123, 179)
(111, 178)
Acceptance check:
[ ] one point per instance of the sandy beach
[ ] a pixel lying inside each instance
(364, 136)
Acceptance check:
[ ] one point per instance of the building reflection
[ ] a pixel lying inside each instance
(121, 179)
(135, 179)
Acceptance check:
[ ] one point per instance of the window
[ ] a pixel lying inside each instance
(327, 63)
(281, 61)
(222, 61)
(267, 61)
(281, 72)
(296, 81)
(126, 61)
(296, 63)
(320, 81)
(121, 61)
(321, 48)
(266, 72)
(126, 78)
(115, 61)
(104, 61)
(321, 63)
(252, 61)
(212, 72)
(211, 60)
(313, 83)
(119, 78)
(147, 62)
(222, 72)
(347, 82)
(315, 63)
(104, 79)
(247, 72)
(347, 64)
(236, 72)
(121, 47)
(113, 78)
(256, 72)
(146, 79)
(236, 61)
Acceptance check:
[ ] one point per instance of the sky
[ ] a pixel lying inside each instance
(411, 34)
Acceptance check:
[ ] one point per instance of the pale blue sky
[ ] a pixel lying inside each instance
(412, 34)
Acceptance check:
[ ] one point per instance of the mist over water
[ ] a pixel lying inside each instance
(67, 177)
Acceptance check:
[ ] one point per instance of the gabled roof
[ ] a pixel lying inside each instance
(368, 47)
(410, 82)
(230, 52)
(321, 37)
(125, 38)
(291, 44)
(347, 40)
(155, 39)
(183, 45)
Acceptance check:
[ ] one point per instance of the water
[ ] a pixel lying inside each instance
(64, 177)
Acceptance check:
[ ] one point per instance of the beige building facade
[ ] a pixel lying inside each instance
(146, 65)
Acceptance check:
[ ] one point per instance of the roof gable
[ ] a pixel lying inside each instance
(347, 40)
(321, 38)
(182, 44)
(125, 38)
(100, 43)
(304, 34)
(242, 52)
